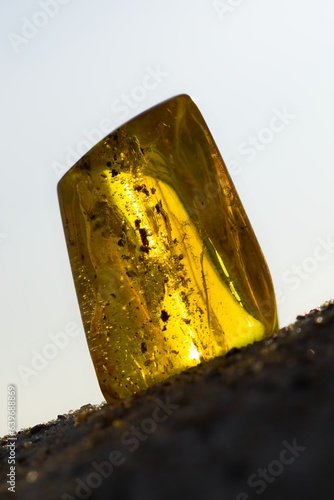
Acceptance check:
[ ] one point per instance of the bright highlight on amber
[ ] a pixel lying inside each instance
(167, 268)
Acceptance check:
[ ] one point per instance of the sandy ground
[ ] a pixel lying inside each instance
(258, 423)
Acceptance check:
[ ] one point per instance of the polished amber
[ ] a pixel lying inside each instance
(167, 268)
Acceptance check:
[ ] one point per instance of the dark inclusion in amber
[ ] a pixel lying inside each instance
(167, 269)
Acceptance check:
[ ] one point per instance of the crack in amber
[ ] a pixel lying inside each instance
(167, 269)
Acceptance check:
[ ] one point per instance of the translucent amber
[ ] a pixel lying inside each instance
(167, 268)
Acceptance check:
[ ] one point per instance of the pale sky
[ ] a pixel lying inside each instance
(262, 75)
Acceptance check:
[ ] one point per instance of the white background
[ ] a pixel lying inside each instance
(242, 62)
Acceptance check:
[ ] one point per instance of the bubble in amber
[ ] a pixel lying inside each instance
(167, 269)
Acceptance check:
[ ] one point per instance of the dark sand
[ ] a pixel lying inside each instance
(226, 420)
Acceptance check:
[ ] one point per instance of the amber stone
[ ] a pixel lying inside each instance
(167, 269)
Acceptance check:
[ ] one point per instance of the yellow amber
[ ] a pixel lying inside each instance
(167, 269)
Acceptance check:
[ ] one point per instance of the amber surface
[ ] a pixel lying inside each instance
(167, 269)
